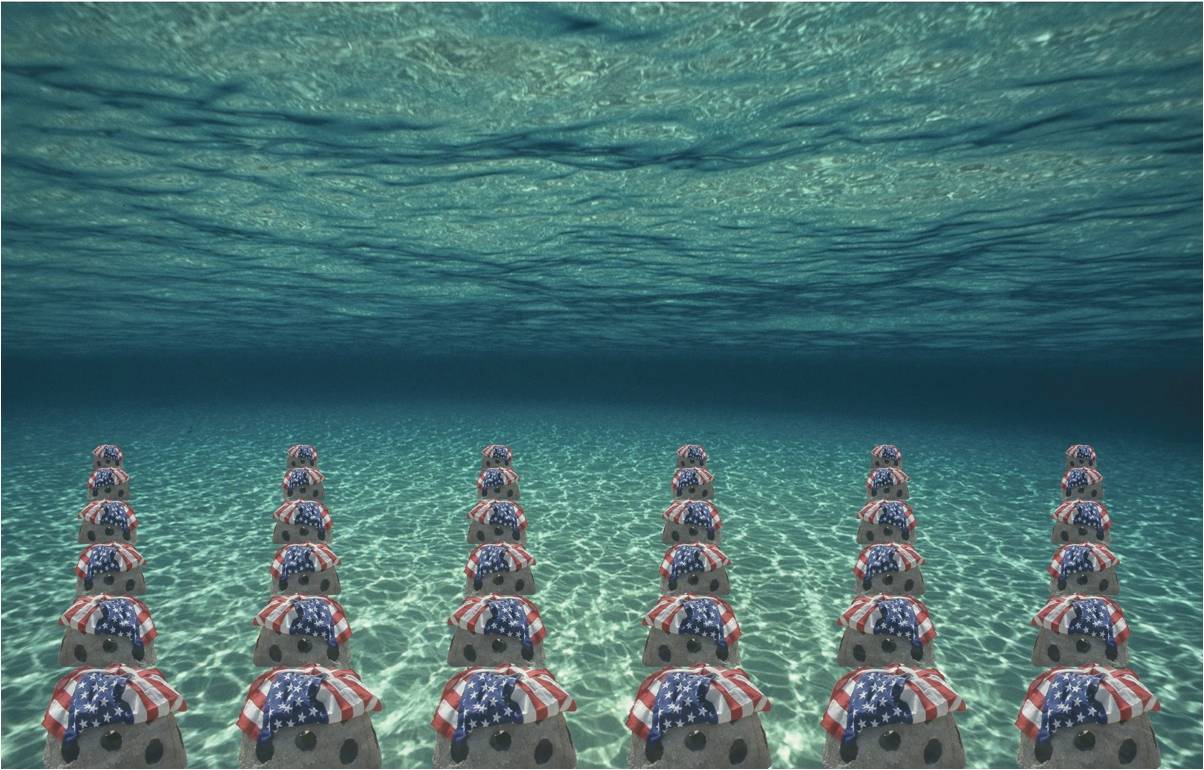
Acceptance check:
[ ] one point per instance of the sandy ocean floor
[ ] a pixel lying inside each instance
(205, 481)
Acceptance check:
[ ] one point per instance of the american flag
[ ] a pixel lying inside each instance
(894, 512)
(696, 557)
(302, 557)
(110, 557)
(690, 614)
(88, 698)
(305, 513)
(885, 615)
(886, 452)
(695, 453)
(480, 696)
(109, 453)
(1077, 478)
(1074, 695)
(304, 615)
(499, 453)
(294, 478)
(1081, 615)
(1081, 452)
(111, 616)
(306, 452)
(310, 695)
(106, 477)
(500, 513)
(698, 694)
(495, 479)
(1084, 557)
(884, 477)
(110, 513)
(1084, 513)
(699, 512)
(690, 477)
(886, 557)
(496, 615)
(496, 557)
(892, 695)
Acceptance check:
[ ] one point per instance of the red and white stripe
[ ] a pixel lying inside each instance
(906, 557)
(1093, 477)
(870, 512)
(128, 558)
(84, 614)
(98, 452)
(323, 557)
(508, 476)
(897, 477)
(1120, 692)
(683, 451)
(704, 477)
(1101, 558)
(279, 613)
(1064, 513)
(536, 694)
(516, 557)
(91, 512)
(1058, 613)
(287, 513)
(926, 692)
(473, 613)
(148, 694)
(294, 452)
(119, 475)
(669, 612)
(480, 512)
(712, 558)
(863, 613)
(732, 693)
(676, 512)
(341, 692)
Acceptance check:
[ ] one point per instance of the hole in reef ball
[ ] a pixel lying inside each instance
(499, 579)
(1103, 585)
(109, 645)
(519, 585)
(459, 751)
(500, 741)
(890, 740)
(848, 751)
(1043, 750)
(265, 750)
(1082, 645)
(675, 535)
(1065, 536)
(1112, 653)
(325, 585)
(696, 741)
(303, 580)
(1084, 740)
(111, 741)
(1054, 653)
(738, 752)
(917, 653)
(306, 740)
(693, 645)
(663, 653)
(499, 645)
(138, 652)
(480, 536)
(909, 585)
(332, 652)
(303, 645)
(470, 652)
(274, 653)
(92, 536)
(721, 653)
(932, 751)
(1127, 752)
(889, 579)
(129, 584)
(1082, 580)
(153, 752)
(654, 751)
(284, 535)
(109, 579)
(283, 584)
(858, 652)
(70, 751)
(888, 645)
(528, 653)
(715, 584)
(81, 654)
(673, 584)
(543, 752)
(692, 580)
(349, 751)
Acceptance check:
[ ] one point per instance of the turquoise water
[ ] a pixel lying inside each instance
(205, 481)
(594, 232)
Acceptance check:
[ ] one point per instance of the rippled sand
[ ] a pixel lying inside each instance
(594, 482)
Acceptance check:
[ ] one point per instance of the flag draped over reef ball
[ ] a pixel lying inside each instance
(286, 697)
(89, 698)
(1070, 696)
(891, 695)
(699, 694)
(123, 616)
(480, 696)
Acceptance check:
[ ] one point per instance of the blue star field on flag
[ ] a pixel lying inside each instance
(898, 618)
(1076, 558)
(309, 514)
(102, 558)
(499, 453)
(305, 452)
(876, 701)
(97, 701)
(1069, 701)
(881, 477)
(1093, 617)
(493, 478)
(688, 477)
(486, 701)
(702, 618)
(119, 617)
(509, 618)
(297, 477)
(292, 700)
(1077, 477)
(1087, 514)
(313, 619)
(879, 560)
(680, 701)
(112, 513)
(890, 453)
(104, 478)
(110, 453)
(298, 558)
(505, 515)
(695, 454)
(686, 559)
(490, 559)
(700, 514)
(894, 512)
(1082, 452)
